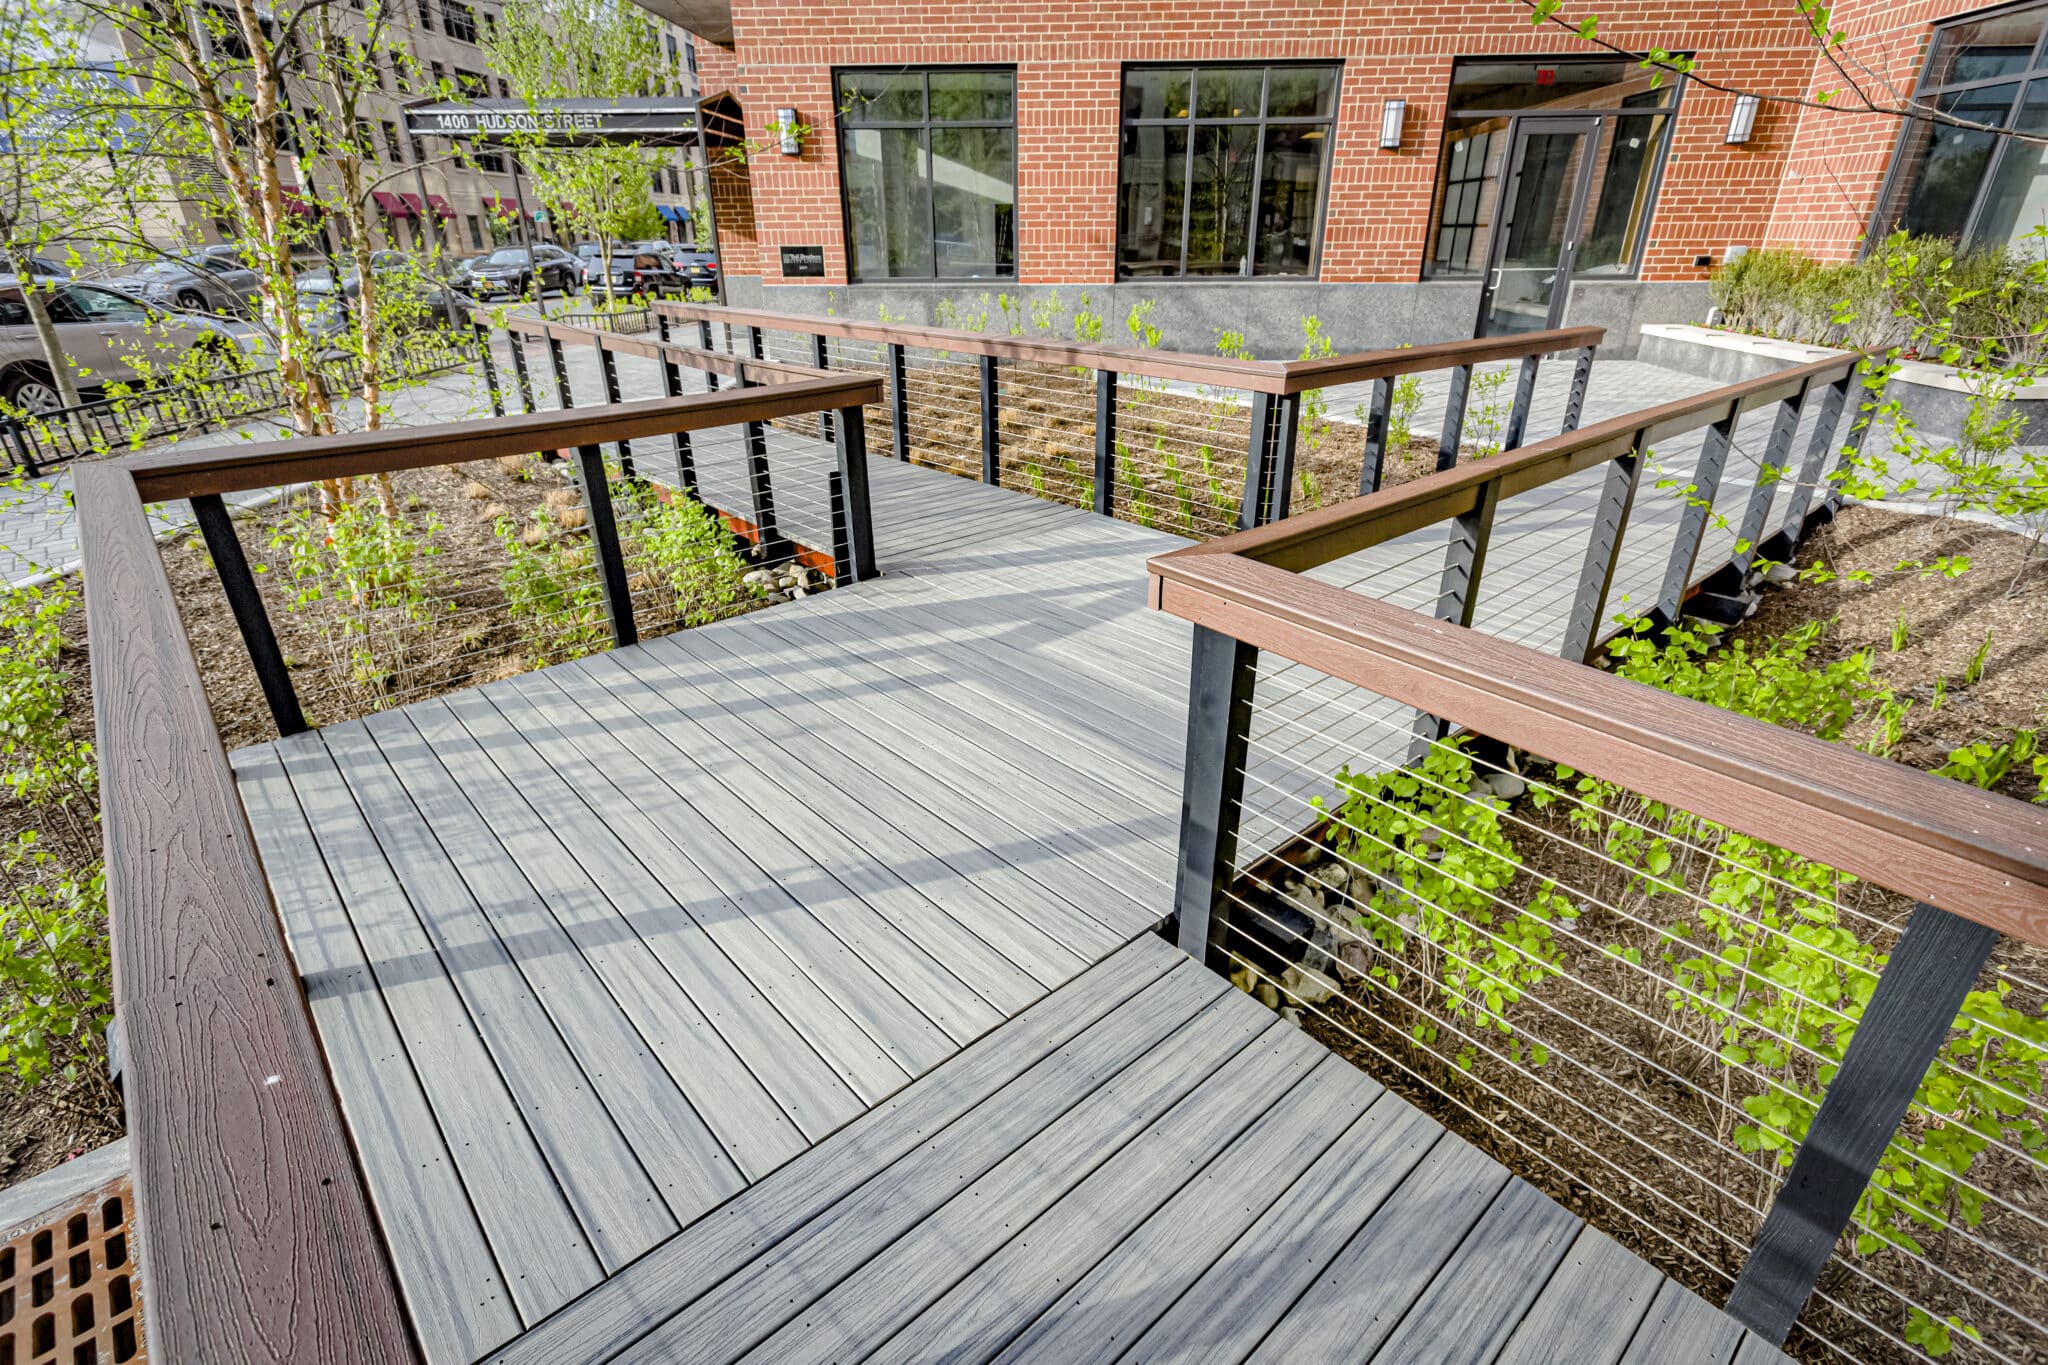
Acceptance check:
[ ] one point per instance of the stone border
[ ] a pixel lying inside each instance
(28, 1202)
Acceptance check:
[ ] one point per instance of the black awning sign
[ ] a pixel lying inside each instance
(803, 262)
(568, 124)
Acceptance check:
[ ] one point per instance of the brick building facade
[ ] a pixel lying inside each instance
(1805, 177)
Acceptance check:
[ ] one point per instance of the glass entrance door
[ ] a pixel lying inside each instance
(1538, 213)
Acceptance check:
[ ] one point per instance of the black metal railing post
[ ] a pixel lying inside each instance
(899, 403)
(757, 344)
(851, 488)
(604, 539)
(704, 343)
(768, 539)
(1269, 459)
(1453, 434)
(1457, 593)
(1770, 472)
(1372, 461)
(686, 462)
(821, 359)
(516, 343)
(490, 367)
(1105, 442)
(1525, 394)
(558, 360)
(991, 456)
(1697, 514)
(608, 368)
(1220, 682)
(1900, 1033)
(1603, 552)
(225, 548)
(1575, 400)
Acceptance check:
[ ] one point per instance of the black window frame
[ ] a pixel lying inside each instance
(1676, 84)
(845, 128)
(450, 9)
(1330, 122)
(1877, 229)
(392, 143)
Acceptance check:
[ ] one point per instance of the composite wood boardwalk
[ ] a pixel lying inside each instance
(786, 987)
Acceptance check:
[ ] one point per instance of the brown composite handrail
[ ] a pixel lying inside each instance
(262, 1240)
(1312, 538)
(180, 474)
(1257, 376)
(741, 368)
(1975, 854)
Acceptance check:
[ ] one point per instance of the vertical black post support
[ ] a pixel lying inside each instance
(853, 492)
(1372, 463)
(1457, 593)
(608, 366)
(24, 449)
(559, 360)
(1934, 967)
(899, 403)
(661, 326)
(1603, 550)
(756, 344)
(1280, 471)
(704, 343)
(1832, 404)
(821, 358)
(686, 461)
(842, 538)
(1269, 460)
(517, 344)
(1575, 401)
(1769, 472)
(604, 539)
(247, 604)
(1220, 680)
(1698, 512)
(1525, 394)
(991, 455)
(1105, 442)
(490, 368)
(1454, 418)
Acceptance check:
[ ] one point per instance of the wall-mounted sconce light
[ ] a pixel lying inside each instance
(1392, 114)
(790, 141)
(1742, 121)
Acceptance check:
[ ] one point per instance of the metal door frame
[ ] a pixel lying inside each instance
(1520, 128)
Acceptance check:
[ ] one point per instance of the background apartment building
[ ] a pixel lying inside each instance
(1399, 171)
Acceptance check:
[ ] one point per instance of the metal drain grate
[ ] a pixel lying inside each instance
(67, 1284)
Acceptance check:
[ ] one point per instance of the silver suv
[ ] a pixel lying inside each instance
(110, 336)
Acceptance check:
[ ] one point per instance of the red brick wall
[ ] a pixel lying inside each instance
(1068, 57)
(1839, 158)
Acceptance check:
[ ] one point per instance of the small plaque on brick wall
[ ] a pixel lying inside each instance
(799, 262)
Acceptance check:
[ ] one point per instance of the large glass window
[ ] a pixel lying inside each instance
(1971, 183)
(1490, 98)
(928, 166)
(1223, 169)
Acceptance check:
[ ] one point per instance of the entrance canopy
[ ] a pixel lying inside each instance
(582, 122)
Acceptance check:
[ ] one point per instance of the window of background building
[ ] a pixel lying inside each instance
(476, 231)
(426, 16)
(366, 141)
(1962, 182)
(928, 169)
(459, 20)
(1223, 169)
(391, 142)
(1627, 151)
(440, 74)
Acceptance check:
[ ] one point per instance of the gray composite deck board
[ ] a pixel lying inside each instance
(543, 1254)
(612, 1317)
(1683, 1327)
(1590, 1310)
(732, 993)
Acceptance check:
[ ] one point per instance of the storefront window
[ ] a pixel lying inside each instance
(1971, 183)
(1588, 136)
(1223, 170)
(928, 167)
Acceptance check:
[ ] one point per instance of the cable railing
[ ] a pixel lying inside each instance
(260, 1224)
(1769, 1009)
(1198, 445)
(122, 422)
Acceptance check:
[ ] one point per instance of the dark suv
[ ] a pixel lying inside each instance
(505, 271)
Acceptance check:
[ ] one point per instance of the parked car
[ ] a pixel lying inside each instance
(506, 271)
(197, 284)
(696, 267)
(643, 272)
(326, 299)
(112, 336)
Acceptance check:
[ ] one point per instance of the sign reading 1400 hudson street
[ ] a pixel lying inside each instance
(569, 121)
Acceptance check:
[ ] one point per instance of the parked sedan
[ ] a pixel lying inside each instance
(112, 336)
(696, 267)
(197, 284)
(506, 271)
(643, 272)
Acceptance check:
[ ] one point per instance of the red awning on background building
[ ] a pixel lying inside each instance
(443, 210)
(416, 204)
(295, 202)
(497, 204)
(392, 204)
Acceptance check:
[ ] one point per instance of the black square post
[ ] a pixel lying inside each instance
(517, 345)
(608, 366)
(1453, 434)
(852, 483)
(490, 367)
(1105, 442)
(1220, 680)
(899, 402)
(604, 539)
(1525, 394)
(251, 619)
(1373, 460)
(821, 359)
(991, 457)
